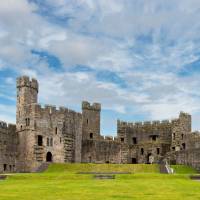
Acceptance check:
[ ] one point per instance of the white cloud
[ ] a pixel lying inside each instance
(146, 43)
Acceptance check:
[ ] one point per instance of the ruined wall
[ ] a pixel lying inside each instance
(181, 128)
(189, 153)
(141, 140)
(104, 150)
(8, 147)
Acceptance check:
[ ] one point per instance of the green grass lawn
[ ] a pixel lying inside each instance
(182, 169)
(61, 182)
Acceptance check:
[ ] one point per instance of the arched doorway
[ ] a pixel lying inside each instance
(49, 157)
(148, 158)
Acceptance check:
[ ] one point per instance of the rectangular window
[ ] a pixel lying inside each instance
(134, 140)
(122, 139)
(158, 151)
(142, 151)
(40, 140)
(5, 167)
(91, 135)
(154, 137)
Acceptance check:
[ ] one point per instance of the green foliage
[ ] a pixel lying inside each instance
(183, 169)
(61, 182)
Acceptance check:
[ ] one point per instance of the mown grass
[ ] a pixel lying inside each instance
(182, 169)
(74, 168)
(61, 182)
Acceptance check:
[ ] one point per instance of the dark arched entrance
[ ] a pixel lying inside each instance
(148, 158)
(49, 157)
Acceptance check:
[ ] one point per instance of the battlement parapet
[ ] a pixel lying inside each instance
(3, 125)
(173, 121)
(87, 106)
(25, 81)
(109, 138)
(147, 123)
(165, 122)
(184, 114)
(52, 109)
(156, 123)
(8, 126)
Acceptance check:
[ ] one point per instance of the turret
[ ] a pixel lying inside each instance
(27, 93)
(91, 120)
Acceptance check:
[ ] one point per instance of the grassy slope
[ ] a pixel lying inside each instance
(61, 182)
(71, 168)
(182, 169)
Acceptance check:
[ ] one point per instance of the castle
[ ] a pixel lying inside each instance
(61, 135)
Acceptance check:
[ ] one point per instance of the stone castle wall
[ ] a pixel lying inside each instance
(103, 150)
(47, 134)
(8, 147)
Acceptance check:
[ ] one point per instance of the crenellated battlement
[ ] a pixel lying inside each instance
(52, 109)
(143, 124)
(109, 138)
(95, 106)
(25, 81)
(3, 125)
(7, 126)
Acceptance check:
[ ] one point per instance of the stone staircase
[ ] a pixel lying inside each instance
(68, 145)
(43, 167)
(39, 152)
(165, 168)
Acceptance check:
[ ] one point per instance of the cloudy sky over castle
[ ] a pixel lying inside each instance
(139, 58)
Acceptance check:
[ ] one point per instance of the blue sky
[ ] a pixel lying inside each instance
(140, 59)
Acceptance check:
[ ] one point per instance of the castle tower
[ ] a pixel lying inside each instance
(180, 129)
(91, 120)
(27, 93)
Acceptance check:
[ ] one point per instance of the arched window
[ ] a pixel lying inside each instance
(27, 121)
(49, 157)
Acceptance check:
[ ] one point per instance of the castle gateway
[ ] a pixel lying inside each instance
(45, 135)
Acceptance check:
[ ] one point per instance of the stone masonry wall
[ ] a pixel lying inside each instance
(8, 147)
(46, 134)
(141, 140)
(103, 150)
